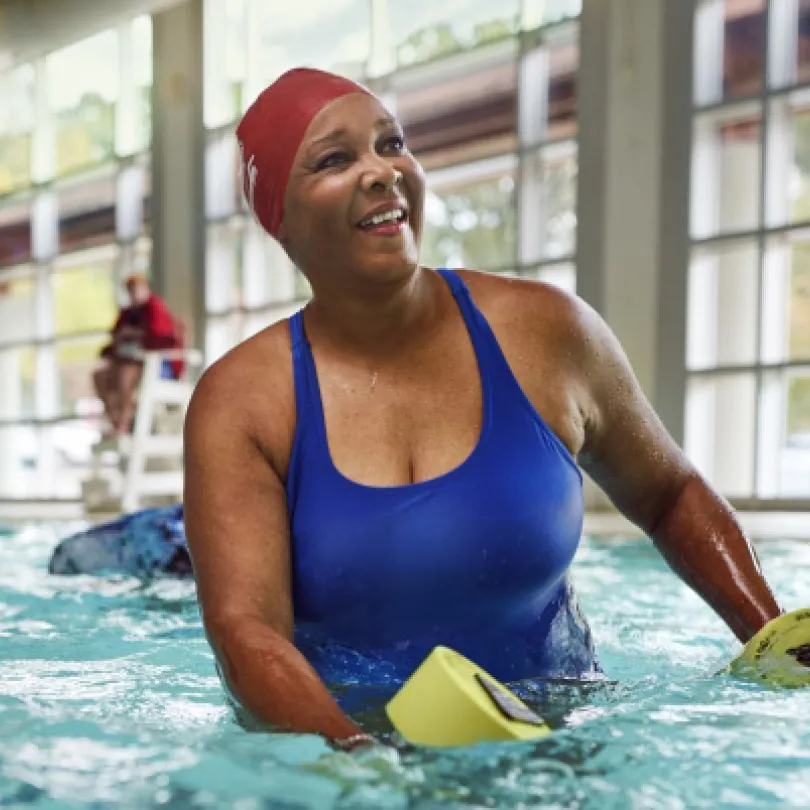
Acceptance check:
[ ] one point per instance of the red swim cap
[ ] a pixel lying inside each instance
(272, 129)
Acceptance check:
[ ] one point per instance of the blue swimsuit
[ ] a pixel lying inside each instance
(475, 559)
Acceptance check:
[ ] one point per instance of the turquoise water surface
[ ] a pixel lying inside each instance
(108, 697)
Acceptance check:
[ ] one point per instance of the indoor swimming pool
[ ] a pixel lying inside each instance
(108, 696)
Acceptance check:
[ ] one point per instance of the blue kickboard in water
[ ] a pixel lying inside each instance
(145, 543)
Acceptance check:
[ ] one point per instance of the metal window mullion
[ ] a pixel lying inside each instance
(782, 42)
(750, 368)
(43, 141)
(763, 203)
(382, 55)
(126, 107)
(725, 104)
(709, 46)
(750, 234)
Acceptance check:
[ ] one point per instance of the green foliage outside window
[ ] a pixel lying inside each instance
(85, 135)
(798, 406)
(84, 300)
(473, 226)
(439, 40)
(15, 162)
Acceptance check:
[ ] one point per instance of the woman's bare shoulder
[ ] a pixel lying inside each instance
(533, 305)
(250, 390)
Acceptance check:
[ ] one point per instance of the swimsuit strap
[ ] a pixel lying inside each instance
(306, 384)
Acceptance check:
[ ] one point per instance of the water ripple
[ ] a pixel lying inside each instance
(109, 696)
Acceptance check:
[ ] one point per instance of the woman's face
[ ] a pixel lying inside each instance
(355, 196)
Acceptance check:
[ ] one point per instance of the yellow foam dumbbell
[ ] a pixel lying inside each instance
(450, 701)
(779, 653)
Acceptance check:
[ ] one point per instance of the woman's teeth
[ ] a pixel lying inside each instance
(378, 219)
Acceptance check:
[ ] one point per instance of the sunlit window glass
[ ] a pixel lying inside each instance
(83, 87)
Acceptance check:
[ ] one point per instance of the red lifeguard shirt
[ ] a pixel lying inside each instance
(161, 330)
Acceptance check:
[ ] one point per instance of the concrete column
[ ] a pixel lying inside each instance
(635, 134)
(178, 163)
(635, 88)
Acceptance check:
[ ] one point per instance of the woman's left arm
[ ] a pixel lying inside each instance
(629, 453)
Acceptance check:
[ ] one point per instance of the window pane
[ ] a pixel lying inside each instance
(45, 226)
(720, 419)
(17, 312)
(325, 34)
(548, 87)
(471, 222)
(784, 435)
(18, 461)
(269, 275)
(222, 191)
(16, 125)
(788, 160)
(129, 199)
(789, 42)
(83, 86)
(223, 284)
(221, 335)
(800, 174)
(562, 275)
(722, 306)
(548, 212)
(84, 294)
(65, 455)
(563, 71)
(796, 461)
(134, 130)
(76, 361)
(462, 117)
(147, 199)
(87, 212)
(135, 258)
(15, 232)
(542, 12)
(225, 46)
(425, 29)
(729, 49)
(744, 50)
(803, 49)
(786, 299)
(17, 371)
(726, 172)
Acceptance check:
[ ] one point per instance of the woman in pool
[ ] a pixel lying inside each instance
(396, 466)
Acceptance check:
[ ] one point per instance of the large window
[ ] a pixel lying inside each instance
(748, 403)
(470, 216)
(486, 94)
(74, 179)
(16, 128)
(82, 95)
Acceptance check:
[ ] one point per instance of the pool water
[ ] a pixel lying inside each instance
(108, 697)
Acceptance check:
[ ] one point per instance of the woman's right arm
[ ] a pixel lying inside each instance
(238, 534)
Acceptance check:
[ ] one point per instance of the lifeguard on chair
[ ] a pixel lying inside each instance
(147, 324)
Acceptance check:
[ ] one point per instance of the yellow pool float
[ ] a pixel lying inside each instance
(451, 701)
(779, 653)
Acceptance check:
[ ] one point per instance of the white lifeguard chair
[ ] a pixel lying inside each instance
(145, 468)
